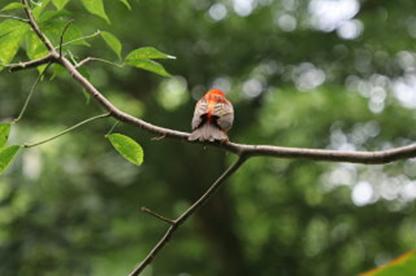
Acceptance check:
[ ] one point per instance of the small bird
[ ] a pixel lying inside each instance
(213, 117)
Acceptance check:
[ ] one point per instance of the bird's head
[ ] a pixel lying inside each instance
(215, 92)
(215, 95)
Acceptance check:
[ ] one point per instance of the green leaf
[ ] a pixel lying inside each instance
(127, 147)
(96, 7)
(148, 53)
(113, 42)
(4, 134)
(34, 47)
(402, 266)
(126, 3)
(142, 58)
(13, 6)
(60, 4)
(6, 156)
(11, 35)
(51, 17)
(151, 66)
(40, 6)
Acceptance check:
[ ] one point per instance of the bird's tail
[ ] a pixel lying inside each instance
(208, 132)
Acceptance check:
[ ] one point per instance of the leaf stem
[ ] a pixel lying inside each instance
(88, 59)
(81, 38)
(7, 16)
(29, 97)
(112, 128)
(67, 130)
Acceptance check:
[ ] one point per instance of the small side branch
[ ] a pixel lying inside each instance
(156, 215)
(61, 40)
(30, 64)
(89, 59)
(67, 130)
(185, 215)
(7, 16)
(81, 38)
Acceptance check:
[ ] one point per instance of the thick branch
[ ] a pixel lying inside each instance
(377, 157)
(185, 215)
(244, 151)
(36, 29)
(364, 157)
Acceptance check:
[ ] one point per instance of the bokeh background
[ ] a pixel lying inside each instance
(336, 74)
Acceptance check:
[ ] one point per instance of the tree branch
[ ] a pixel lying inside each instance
(7, 16)
(89, 59)
(363, 157)
(13, 67)
(36, 29)
(185, 215)
(156, 215)
(81, 38)
(244, 151)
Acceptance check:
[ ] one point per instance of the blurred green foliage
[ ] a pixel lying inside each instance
(320, 73)
(403, 265)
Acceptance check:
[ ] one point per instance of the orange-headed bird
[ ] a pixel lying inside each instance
(213, 117)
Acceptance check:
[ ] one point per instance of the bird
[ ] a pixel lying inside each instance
(213, 117)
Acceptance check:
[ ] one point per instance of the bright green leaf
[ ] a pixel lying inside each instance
(126, 3)
(34, 47)
(147, 53)
(6, 156)
(11, 34)
(149, 65)
(127, 147)
(51, 17)
(60, 4)
(112, 42)
(96, 7)
(13, 6)
(402, 266)
(4, 134)
(40, 7)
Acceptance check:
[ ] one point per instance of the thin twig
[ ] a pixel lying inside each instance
(67, 130)
(82, 38)
(61, 40)
(29, 96)
(158, 138)
(88, 59)
(185, 215)
(7, 16)
(156, 215)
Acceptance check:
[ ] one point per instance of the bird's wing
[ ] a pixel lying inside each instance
(225, 114)
(201, 109)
